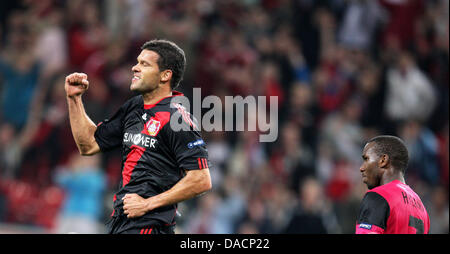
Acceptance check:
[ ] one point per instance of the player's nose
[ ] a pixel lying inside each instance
(362, 168)
(135, 68)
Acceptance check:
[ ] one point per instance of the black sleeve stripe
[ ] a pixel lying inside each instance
(374, 210)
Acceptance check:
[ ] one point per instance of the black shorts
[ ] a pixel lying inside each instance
(123, 225)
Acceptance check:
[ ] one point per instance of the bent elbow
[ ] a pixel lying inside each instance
(199, 181)
(87, 151)
(206, 184)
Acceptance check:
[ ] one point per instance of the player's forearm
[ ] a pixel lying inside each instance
(83, 128)
(192, 185)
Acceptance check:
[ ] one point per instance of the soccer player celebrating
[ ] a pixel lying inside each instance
(160, 166)
(389, 206)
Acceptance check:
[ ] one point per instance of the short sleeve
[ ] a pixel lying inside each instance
(373, 214)
(189, 148)
(109, 133)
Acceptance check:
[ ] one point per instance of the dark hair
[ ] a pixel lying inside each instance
(395, 148)
(171, 57)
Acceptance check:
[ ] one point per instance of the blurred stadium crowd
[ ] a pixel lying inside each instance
(343, 71)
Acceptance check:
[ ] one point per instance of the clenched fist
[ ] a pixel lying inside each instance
(76, 84)
(134, 205)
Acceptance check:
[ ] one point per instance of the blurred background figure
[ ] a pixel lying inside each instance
(311, 215)
(439, 210)
(410, 94)
(423, 146)
(84, 184)
(343, 72)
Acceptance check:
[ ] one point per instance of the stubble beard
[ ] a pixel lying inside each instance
(141, 88)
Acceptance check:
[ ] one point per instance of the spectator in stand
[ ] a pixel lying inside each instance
(402, 17)
(439, 211)
(370, 89)
(51, 47)
(423, 147)
(204, 221)
(443, 140)
(342, 130)
(8, 155)
(360, 22)
(19, 71)
(220, 151)
(410, 94)
(331, 86)
(232, 206)
(84, 185)
(293, 160)
(308, 216)
(431, 53)
(87, 34)
(256, 217)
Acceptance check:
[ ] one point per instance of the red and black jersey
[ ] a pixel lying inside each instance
(154, 157)
(392, 208)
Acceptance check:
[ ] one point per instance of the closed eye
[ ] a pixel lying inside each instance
(143, 62)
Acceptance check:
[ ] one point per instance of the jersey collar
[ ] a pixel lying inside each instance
(163, 100)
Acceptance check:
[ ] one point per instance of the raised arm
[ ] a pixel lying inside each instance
(83, 128)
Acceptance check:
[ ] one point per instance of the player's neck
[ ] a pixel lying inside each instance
(387, 178)
(156, 95)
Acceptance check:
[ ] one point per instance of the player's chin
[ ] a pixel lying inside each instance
(135, 86)
(369, 185)
(364, 180)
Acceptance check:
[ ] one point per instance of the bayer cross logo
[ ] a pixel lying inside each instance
(153, 127)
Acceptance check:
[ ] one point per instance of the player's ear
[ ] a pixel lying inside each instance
(383, 161)
(166, 75)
